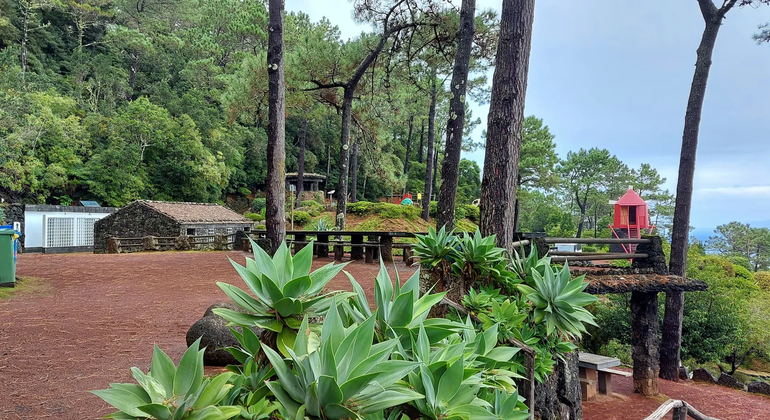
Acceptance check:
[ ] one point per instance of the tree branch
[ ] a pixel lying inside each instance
(320, 85)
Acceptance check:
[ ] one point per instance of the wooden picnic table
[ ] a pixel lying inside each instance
(597, 370)
(357, 244)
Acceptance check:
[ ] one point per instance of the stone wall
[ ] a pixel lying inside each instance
(133, 221)
(15, 213)
(558, 397)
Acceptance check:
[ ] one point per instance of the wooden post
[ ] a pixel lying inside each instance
(323, 250)
(299, 238)
(644, 342)
(357, 249)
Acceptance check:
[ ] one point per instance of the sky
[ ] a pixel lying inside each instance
(616, 75)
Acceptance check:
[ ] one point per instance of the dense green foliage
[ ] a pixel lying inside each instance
(727, 324)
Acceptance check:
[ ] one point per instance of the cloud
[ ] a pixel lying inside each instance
(745, 191)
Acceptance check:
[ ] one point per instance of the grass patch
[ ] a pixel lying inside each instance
(373, 223)
(465, 225)
(25, 286)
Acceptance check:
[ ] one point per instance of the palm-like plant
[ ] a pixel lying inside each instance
(559, 301)
(168, 392)
(341, 374)
(284, 291)
(435, 247)
(479, 257)
(400, 310)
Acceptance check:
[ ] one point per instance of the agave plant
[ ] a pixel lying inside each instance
(168, 392)
(452, 375)
(435, 247)
(400, 310)
(340, 374)
(249, 384)
(284, 291)
(559, 301)
(524, 266)
(479, 257)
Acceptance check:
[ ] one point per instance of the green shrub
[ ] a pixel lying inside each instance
(739, 260)
(301, 217)
(244, 191)
(742, 272)
(258, 204)
(360, 208)
(255, 217)
(397, 211)
(311, 204)
(433, 209)
(762, 279)
(472, 212)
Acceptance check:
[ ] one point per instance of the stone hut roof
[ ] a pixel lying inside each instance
(192, 213)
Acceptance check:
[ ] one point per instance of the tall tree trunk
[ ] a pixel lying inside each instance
(431, 142)
(24, 33)
(504, 126)
(342, 185)
(354, 174)
(301, 163)
(275, 218)
(133, 68)
(406, 158)
(328, 165)
(454, 133)
(435, 173)
(672, 321)
(408, 146)
(422, 133)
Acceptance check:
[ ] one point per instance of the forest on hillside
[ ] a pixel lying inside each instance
(121, 100)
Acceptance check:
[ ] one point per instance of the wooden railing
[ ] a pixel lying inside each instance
(680, 411)
(562, 256)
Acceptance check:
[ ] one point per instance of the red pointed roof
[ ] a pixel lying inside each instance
(631, 198)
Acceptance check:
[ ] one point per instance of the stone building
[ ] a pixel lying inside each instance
(167, 219)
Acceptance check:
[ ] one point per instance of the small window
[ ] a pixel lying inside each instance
(211, 231)
(191, 232)
(246, 229)
(229, 231)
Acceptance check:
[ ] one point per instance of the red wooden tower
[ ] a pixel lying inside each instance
(630, 217)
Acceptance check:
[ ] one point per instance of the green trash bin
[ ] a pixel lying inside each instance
(7, 258)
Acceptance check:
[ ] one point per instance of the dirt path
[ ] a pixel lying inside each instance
(101, 315)
(711, 400)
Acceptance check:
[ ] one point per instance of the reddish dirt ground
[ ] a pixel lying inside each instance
(711, 400)
(100, 315)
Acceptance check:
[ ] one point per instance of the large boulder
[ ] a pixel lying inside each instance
(216, 336)
(759, 387)
(684, 373)
(703, 375)
(729, 381)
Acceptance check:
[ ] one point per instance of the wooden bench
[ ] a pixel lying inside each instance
(596, 369)
(407, 252)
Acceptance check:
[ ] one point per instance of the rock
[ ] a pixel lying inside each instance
(703, 375)
(558, 396)
(759, 387)
(227, 305)
(216, 335)
(684, 373)
(729, 381)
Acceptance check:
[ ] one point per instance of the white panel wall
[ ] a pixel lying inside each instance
(36, 225)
